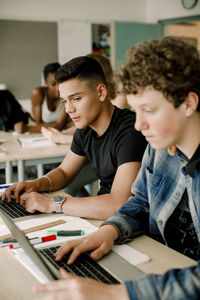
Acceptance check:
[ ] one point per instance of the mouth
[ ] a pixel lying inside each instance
(75, 119)
(148, 137)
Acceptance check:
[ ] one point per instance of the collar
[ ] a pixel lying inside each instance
(193, 162)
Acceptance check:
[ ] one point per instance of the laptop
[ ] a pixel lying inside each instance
(110, 269)
(13, 209)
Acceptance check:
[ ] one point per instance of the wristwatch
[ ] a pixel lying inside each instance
(58, 201)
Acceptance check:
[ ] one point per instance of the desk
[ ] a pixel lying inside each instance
(16, 282)
(31, 157)
(7, 160)
(6, 163)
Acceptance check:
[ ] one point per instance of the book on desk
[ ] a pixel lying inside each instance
(31, 142)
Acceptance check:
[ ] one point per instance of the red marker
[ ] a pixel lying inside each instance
(34, 241)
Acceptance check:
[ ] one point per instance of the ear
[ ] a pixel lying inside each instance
(102, 91)
(191, 103)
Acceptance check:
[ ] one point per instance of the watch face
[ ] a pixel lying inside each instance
(189, 3)
(58, 199)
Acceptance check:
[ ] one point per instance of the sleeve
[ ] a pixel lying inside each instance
(76, 145)
(174, 284)
(129, 145)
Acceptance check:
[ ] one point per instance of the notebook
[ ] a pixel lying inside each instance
(31, 142)
(110, 269)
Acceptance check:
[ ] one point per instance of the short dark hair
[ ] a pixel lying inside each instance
(169, 65)
(50, 68)
(83, 68)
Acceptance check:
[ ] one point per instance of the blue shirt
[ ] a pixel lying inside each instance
(158, 189)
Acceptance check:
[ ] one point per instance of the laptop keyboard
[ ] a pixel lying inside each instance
(84, 266)
(14, 210)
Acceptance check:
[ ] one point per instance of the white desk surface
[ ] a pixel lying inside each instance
(26, 156)
(14, 149)
(16, 282)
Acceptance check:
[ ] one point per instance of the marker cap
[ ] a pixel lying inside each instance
(49, 238)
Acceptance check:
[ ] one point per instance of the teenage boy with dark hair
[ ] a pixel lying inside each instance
(105, 136)
(161, 79)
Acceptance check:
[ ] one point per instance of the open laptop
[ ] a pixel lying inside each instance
(13, 209)
(110, 269)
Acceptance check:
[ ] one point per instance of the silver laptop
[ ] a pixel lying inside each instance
(13, 209)
(110, 269)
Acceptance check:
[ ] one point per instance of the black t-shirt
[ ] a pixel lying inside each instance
(180, 232)
(119, 144)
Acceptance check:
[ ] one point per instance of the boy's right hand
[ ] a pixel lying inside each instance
(17, 189)
(99, 242)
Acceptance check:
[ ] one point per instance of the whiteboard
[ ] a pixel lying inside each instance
(74, 39)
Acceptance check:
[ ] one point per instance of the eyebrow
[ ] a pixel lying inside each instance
(71, 96)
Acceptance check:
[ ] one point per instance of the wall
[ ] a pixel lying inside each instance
(26, 46)
(92, 10)
(191, 31)
(95, 10)
(166, 9)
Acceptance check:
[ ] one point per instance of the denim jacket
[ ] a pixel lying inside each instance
(158, 189)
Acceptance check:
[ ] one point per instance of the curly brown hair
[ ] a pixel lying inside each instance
(169, 65)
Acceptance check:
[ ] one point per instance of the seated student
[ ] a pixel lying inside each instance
(47, 109)
(105, 136)
(11, 112)
(163, 87)
(119, 100)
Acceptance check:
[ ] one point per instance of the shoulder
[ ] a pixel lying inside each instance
(82, 133)
(122, 123)
(37, 95)
(124, 117)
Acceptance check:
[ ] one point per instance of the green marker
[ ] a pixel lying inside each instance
(66, 232)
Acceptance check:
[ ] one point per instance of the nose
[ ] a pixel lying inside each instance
(140, 123)
(69, 107)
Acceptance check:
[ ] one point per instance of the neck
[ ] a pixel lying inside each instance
(101, 125)
(191, 137)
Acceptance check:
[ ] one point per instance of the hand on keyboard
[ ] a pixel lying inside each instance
(17, 189)
(99, 242)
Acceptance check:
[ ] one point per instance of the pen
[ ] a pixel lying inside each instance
(13, 240)
(34, 241)
(5, 186)
(8, 241)
(66, 232)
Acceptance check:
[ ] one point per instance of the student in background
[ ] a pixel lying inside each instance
(105, 136)
(47, 109)
(163, 88)
(11, 112)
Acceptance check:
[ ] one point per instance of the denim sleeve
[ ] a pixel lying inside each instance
(175, 284)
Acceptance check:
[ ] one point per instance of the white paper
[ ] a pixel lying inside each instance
(2, 141)
(131, 255)
(35, 142)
